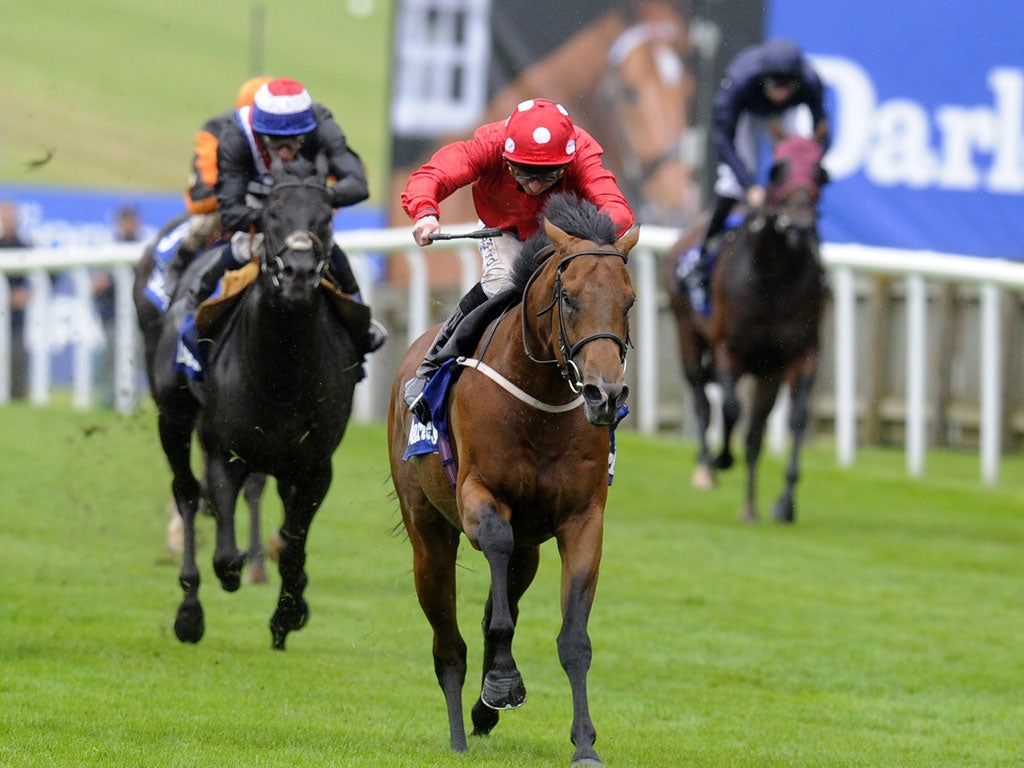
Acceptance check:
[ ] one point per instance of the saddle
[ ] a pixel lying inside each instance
(353, 315)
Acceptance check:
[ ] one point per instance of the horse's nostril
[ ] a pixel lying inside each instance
(592, 393)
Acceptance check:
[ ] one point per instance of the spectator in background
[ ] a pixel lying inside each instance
(127, 229)
(10, 237)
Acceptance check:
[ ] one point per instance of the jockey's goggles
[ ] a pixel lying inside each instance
(780, 81)
(545, 174)
(277, 143)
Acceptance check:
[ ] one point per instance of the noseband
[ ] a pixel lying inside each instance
(569, 370)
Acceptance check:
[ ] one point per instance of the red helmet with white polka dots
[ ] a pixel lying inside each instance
(539, 132)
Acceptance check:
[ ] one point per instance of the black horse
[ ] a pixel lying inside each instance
(276, 399)
(768, 293)
(151, 319)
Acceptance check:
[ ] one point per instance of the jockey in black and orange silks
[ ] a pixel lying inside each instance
(282, 123)
(513, 167)
(200, 197)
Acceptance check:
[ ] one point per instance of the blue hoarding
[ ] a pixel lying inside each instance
(927, 101)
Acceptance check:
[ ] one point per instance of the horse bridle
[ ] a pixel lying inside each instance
(297, 240)
(570, 372)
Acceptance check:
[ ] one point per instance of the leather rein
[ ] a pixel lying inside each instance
(569, 370)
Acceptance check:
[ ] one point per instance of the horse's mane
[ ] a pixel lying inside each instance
(579, 218)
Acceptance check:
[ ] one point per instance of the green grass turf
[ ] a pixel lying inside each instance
(882, 629)
(116, 89)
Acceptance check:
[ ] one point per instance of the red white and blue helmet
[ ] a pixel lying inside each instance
(539, 132)
(283, 107)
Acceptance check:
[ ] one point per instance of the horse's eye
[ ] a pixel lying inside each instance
(571, 302)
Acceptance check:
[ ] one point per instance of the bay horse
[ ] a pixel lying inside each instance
(767, 297)
(150, 319)
(529, 423)
(277, 397)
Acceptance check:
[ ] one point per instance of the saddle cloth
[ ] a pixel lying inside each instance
(434, 437)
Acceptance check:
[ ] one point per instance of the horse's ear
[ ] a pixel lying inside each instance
(555, 234)
(625, 243)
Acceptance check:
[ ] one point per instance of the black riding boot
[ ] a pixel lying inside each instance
(698, 280)
(434, 358)
(216, 263)
(343, 275)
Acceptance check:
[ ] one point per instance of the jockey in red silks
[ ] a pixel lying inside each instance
(513, 167)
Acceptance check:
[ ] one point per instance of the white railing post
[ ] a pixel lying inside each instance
(5, 340)
(647, 347)
(917, 363)
(126, 342)
(991, 382)
(37, 337)
(845, 354)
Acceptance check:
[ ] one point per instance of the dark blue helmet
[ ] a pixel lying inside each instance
(782, 59)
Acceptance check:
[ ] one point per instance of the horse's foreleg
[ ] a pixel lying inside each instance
(765, 392)
(255, 572)
(580, 548)
(224, 480)
(521, 571)
(730, 416)
(301, 501)
(784, 510)
(703, 477)
(503, 685)
(176, 422)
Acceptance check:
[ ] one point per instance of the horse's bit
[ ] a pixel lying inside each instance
(570, 372)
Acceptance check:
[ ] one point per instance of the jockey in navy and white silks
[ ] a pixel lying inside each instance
(285, 123)
(771, 89)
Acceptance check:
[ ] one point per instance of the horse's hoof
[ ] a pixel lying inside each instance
(484, 719)
(291, 614)
(229, 571)
(749, 514)
(255, 573)
(189, 624)
(784, 511)
(703, 478)
(503, 691)
(580, 761)
(724, 461)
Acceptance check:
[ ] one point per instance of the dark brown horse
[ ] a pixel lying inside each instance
(530, 431)
(768, 293)
(151, 318)
(277, 398)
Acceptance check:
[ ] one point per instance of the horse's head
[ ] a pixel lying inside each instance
(591, 295)
(794, 188)
(298, 230)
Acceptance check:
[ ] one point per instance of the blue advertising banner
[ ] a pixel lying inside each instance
(927, 103)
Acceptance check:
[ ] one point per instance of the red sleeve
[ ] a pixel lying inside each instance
(587, 176)
(453, 166)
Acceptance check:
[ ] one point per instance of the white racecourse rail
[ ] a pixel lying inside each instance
(991, 275)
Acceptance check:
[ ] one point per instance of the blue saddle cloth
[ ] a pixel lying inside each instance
(434, 437)
(163, 252)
